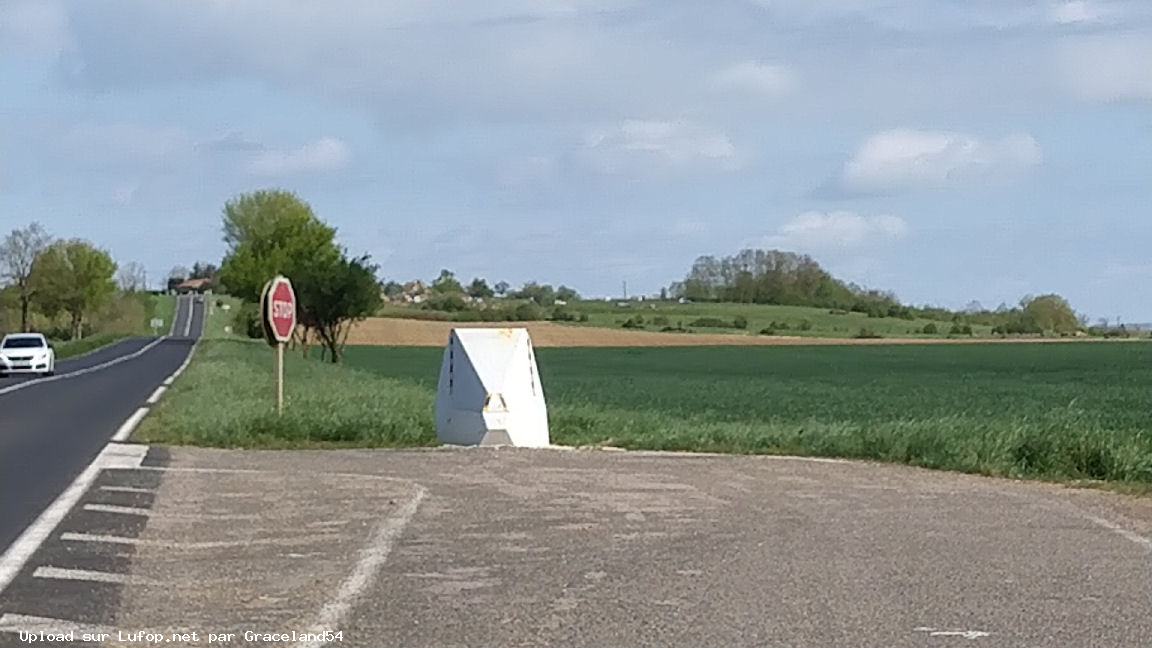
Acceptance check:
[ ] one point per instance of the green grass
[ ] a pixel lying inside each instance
(1066, 412)
(1056, 411)
(73, 348)
(226, 398)
(164, 307)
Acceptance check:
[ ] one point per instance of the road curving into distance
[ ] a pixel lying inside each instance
(52, 428)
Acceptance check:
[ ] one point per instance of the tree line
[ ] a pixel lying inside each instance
(60, 279)
(786, 278)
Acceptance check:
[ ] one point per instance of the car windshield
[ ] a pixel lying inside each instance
(23, 343)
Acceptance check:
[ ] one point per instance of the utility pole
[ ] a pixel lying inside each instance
(625, 290)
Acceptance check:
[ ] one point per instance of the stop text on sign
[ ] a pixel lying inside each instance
(282, 309)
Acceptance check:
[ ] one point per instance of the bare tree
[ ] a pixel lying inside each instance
(132, 277)
(18, 253)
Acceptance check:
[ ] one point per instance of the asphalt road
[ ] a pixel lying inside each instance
(515, 547)
(50, 430)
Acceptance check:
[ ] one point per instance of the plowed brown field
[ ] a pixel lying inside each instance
(406, 332)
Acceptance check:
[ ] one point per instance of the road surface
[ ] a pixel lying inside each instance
(50, 430)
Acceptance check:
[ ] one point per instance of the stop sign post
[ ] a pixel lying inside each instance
(278, 312)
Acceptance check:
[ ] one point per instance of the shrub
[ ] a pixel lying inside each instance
(246, 321)
(710, 322)
(634, 323)
(867, 333)
(583, 317)
(448, 302)
(805, 325)
(660, 320)
(960, 329)
(561, 314)
(929, 329)
(740, 322)
(528, 312)
(767, 331)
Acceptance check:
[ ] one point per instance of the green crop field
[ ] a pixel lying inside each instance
(1059, 411)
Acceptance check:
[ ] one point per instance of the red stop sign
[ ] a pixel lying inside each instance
(282, 309)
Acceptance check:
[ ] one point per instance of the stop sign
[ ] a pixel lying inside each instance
(281, 309)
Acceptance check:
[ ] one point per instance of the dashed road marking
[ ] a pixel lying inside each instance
(114, 455)
(94, 537)
(127, 489)
(125, 510)
(38, 624)
(81, 574)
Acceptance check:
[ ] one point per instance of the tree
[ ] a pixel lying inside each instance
(75, 278)
(393, 289)
(333, 294)
(446, 283)
(203, 271)
(176, 276)
(1050, 313)
(564, 293)
(18, 255)
(271, 232)
(502, 288)
(132, 277)
(479, 289)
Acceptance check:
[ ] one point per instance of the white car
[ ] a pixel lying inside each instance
(27, 353)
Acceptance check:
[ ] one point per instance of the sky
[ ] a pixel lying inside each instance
(946, 150)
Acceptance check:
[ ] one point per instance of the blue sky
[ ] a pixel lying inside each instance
(946, 150)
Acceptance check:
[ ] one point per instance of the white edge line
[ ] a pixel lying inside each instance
(157, 394)
(333, 613)
(114, 455)
(95, 537)
(18, 553)
(128, 426)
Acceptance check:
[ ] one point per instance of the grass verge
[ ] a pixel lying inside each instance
(1069, 413)
(226, 398)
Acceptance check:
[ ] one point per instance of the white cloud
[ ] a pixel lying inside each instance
(1107, 68)
(1076, 11)
(909, 159)
(676, 144)
(817, 231)
(755, 77)
(325, 154)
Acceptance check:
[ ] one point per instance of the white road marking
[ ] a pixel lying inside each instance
(37, 624)
(126, 510)
(333, 614)
(80, 574)
(1116, 528)
(123, 455)
(157, 394)
(126, 489)
(81, 372)
(128, 426)
(967, 634)
(188, 322)
(18, 553)
(91, 537)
